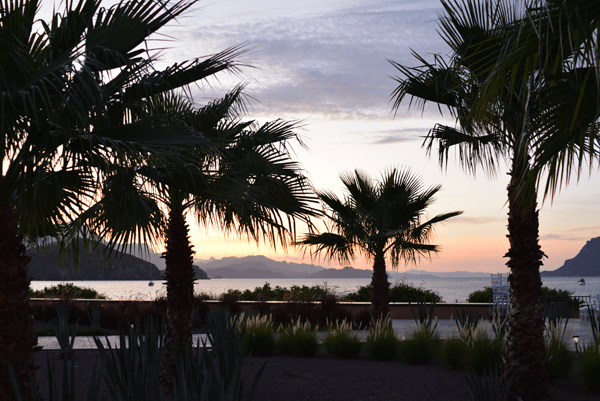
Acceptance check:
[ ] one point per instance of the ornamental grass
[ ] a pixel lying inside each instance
(298, 339)
(341, 341)
(260, 333)
(382, 342)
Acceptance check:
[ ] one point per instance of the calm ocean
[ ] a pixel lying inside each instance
(450, 289)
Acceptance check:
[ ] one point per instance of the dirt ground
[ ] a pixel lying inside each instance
(326, 378)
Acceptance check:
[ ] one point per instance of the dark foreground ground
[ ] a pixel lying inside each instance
(325, 378)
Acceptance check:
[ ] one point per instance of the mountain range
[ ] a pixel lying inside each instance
(259, 266)
(93, 265)
(585, 264)
(149, 265)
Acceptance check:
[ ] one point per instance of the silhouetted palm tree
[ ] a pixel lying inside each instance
(244, 182)
(378, 219)
(67, 90)
(507, 121)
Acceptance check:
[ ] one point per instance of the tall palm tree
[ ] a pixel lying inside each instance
(66, 91)
(557, 47)
(245, 182)
(509, 122)
(378, 219)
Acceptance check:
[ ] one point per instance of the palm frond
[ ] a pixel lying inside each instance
(387, 216)
(333, 246)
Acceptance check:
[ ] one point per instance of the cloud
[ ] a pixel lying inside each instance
(551, 237)
(397, 136)
(593, 227)
(558, 237)
(330, 64)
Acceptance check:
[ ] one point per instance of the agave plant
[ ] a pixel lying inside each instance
(424, 318)
(487, 386)
(467, 318)
(212, 371)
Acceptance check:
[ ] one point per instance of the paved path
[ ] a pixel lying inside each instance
(447, 328)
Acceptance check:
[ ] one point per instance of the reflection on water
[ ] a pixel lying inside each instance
(451, 290)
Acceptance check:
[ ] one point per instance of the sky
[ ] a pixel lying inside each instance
(325, 63)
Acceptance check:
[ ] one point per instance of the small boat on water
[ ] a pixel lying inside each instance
(581, 282)
(151, 284)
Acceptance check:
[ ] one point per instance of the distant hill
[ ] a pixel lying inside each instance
(254, 270)
(240, 270)
(258, 262)
(259, 266)
(44, 266)
(144, 252)
(424, 274)
(346, 272)
(585, 264)
(199, 274)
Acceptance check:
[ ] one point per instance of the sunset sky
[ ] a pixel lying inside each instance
(325, 63)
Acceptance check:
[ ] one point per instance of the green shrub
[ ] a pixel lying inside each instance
(404, 292)
(294, 293)
(483, 352)
(68, 290)
(260, 335)
(299, 339)
(230, 301)
(341, 341)
(382, 343)
(399, 292)
(559, 359)
(421, 346)
(590, 368)
(259, 341)
(454, 353)
(555, 292)
(485, 295)
(480, 296)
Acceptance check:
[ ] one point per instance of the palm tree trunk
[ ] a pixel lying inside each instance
(179, 275)
(18, 342)
(525, 355)
(380, 291)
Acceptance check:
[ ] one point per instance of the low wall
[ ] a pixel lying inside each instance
(398, 310)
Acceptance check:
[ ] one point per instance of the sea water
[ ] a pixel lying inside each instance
(450, 289)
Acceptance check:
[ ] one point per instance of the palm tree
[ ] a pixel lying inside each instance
(557, 47)
(67, 91)
(508, 122)
(378, 219)
(244, 182)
